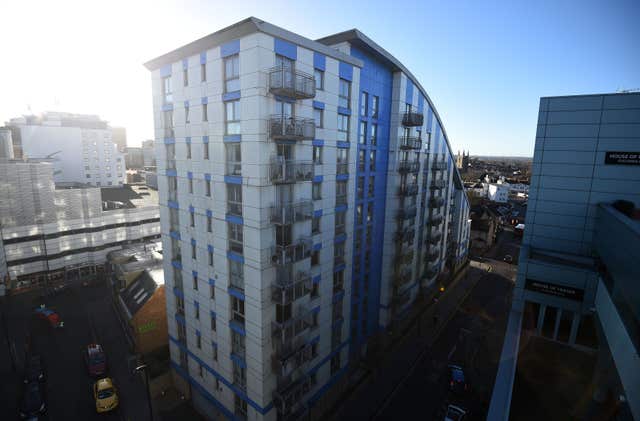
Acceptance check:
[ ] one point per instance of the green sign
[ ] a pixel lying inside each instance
(147, 327)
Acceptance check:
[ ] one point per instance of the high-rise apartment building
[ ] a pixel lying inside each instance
(81, 147)
(308, 194)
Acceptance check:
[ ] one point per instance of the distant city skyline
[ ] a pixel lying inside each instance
(485, 65)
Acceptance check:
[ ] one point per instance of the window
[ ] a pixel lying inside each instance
(237, 343)
(317, 116)
(372, 160)
(315, 290)
(235, 237)
(344, 94)
(240, 407)
(374, 134)
(319, 76)
(205, 112)
(210, 251)
(360, 188)
(364, 104)
(209, 223)
(207, 184)
(374, 106)
(185, 77)
(361, 158)
(205, 147)
(315, 258)
(194, 255)
(341, 192)
(88, 175)
(335, 363)
(317, 154)
(359, 214)
(237, 310)
(371, 185)
(232, 73)
(369, 212)
(212, 290)
(167, 119)
(166, 89)
(315, 225)
(232, 117)
(188, 150)
(197, 310)
(234, 199)
(191, 185)
(215, 351)
(316, 191)
(213, 322)
(234, 158)
(340, 221)
(363, 133)
(342, 161)
(236, 274)
(195, 282)
(199, 343)
(186, 114)
(338, 258)
(192, 219)
(343, 127)
(203, 72)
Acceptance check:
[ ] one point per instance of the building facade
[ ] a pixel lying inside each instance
(578, 254)
(148, 153)
(81, 147)
(308, 194)
(462, 161)
(50, 233)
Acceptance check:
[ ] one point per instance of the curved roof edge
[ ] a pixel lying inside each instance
(240, 29)
(357, 37)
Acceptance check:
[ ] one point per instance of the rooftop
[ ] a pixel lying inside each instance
(128, 196)
(141, 290)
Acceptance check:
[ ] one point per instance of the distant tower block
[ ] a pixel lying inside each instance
(462, 161)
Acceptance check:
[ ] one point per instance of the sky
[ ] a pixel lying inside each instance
(484, 64)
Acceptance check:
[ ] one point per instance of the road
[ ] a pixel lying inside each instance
(88, 317)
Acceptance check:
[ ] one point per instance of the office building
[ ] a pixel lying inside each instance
(577, 275)
(308, 195)
(134, 157)
(55, 232)
(119, 136)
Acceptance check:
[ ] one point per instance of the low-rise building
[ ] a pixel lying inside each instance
(484, 225)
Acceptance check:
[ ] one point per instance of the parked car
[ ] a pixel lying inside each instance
(34, 369)
(455, 413)
(457, 383)
(49, 315)
(96, 360)
(32, 403)
(105, 395)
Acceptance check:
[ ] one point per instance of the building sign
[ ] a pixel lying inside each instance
(622, 158)
(147, 327)
(553, 289)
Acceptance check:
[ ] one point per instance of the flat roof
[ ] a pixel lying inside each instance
(130, 195)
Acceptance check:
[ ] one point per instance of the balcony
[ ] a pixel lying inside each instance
(289, 213)
(171, 164)
(342, 168)
(403, 276)
(438, 165)
(435, 220)
(412, 118)
(437, 184)
(434, 237)
(410, 142)
(172, 195)
(286, 360)
(291, 83)
(288, 399)
(407, 212)
(284, 332)
(408, 166)
(400, 300)
(405, 234)
(284, 127)
(408, 190)
(436, 202)
(433, 256)
(404, 258)
(288, 171)
(299, 250)
(287, 289)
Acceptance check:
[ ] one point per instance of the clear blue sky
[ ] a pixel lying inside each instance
(484, 64)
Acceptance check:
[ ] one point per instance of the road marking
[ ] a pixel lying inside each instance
(452, 351)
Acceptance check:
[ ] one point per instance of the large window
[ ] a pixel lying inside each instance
(232, 117)
(234, 159)
(205, 112)
(167, 95)
(167, 118)
(364, 104)
(340, 222)
(316, 190)
(237, 309)
(363, 133)
(185, 77)
(236, 274)
(317, 116)
(186, 114)
(207, 188)
(344, 94)
(235, 237)
(342, 161)
(343, 127)
(203, 72)
(374, 134)
(232, 73)
(341, 192)
(234, 199)
(317, 154)
(374, 106)
(319, 76)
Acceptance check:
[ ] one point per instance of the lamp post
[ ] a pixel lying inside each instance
(143, 368)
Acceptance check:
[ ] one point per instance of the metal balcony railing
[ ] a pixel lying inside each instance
(436, 202)
(284, 333)
(288, 171)
(291, 83)
(405, 234)
(437, 184)
(408, 190)
(433, 256)
(407, 213)
(404, 258)
(286, 127)
(434, 237)
(412, 118)
(409, 166)
(289, 213)
(403, 276)
(288, 399)
(288, 289)
(298, 250)
(342, 168)
(286, 360)
(436, 220)
(410, 142)
(438, 165)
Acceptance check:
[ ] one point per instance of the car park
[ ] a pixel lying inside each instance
(95, 360)
(105, 394)
(457, 382)
(51, 316)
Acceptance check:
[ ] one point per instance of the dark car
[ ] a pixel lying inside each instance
(457, 383)
(96, 360)
(34, 369)
(32, 403)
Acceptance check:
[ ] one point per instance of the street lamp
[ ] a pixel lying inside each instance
(143, 368)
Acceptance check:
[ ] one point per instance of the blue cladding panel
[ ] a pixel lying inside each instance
(191, 209)
(231, 96)
(209, 213)
(186, 104)
(317, 178)
(318, 104)
(205, 139)
(233, 179)
(167, 107)
(230, 138)
(187, 139)
(343, 145)
(319, 61)
(346, 71)
(235, 219)
(317, 246)
(178, 292)
(212, 282)
(165, 70)
(317, 213)
(230, 48)
(409, 96)
(203, 58)
(207, 177)
(237, 327)
(190, 175)
(235, 256)
(344, 111)
(210, 248)
(318, 142)
(205, 100)
(420, 102)
(172, 204)
(342, 177)
(172, 173)
(236, 293)
(285, 48)
(169, 141)
(238, 360)
(316, 279)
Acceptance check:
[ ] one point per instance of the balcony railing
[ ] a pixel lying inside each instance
(404, 258)
(407, 212)
(173, 195)
(410, 142)
(286, 360)
(300, 249)
(289, 213)
(285, 332)
(408, 190)
(438, 165)
(288, 289)
(437, 184)
(341, 199)
(403, 276)
(409, 166)
(288, 399)
(405, 234)
(288, 82)
(434, 237)
(436, 202)
(288, 171)
(436, 220)
(285, 127)
(412, 118)
(342, 168)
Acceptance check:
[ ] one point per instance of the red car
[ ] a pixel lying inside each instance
(96, 360)
(49, 315)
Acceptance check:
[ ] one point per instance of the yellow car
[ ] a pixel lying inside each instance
(105, 394)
